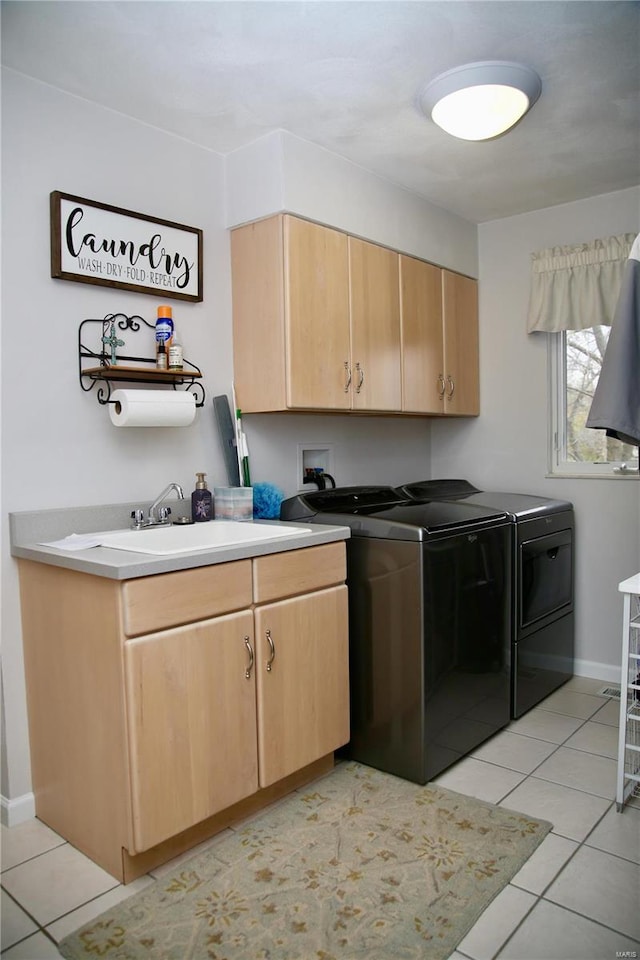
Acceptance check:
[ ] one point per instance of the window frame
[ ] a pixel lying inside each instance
(557, 463)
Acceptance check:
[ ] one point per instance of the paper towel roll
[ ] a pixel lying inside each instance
(152, 408)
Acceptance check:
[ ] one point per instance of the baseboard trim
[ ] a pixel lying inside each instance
(597, 671)
(17, 811)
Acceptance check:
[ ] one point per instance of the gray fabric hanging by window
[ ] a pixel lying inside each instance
(616, 402)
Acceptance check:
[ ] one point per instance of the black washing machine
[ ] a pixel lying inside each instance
(429, 624)
(543, 560)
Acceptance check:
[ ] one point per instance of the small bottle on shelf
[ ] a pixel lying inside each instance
(161, 356)
(175, 352)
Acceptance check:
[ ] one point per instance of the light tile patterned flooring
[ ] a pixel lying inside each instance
(577, 897)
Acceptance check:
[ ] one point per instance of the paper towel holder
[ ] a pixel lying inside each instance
(111, 369)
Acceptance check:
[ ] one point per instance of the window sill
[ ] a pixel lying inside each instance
(570, 475)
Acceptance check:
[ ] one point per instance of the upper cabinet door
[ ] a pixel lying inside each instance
(423, 383)
(375, 327)
(461, 366)
(259, 343)
(316, 291)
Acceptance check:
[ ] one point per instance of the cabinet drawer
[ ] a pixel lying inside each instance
(169, 599)
(298, 571)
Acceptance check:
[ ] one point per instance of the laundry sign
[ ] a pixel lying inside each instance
(97, 243)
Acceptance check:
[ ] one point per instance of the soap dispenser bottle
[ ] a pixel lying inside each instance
(201, 501)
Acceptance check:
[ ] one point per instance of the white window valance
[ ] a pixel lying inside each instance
(574, 287)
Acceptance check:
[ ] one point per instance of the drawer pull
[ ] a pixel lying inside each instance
(272, 655)
(360, 377)
(247, 672)
(441, 384)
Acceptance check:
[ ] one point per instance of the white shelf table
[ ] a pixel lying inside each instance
(628, 779)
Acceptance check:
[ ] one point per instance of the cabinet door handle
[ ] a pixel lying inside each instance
(360, 377)
(247, 672)
(451, 385)
(272, 655)
(441, 385)
(347, 370)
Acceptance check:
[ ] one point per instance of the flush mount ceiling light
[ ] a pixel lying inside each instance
(481, 100)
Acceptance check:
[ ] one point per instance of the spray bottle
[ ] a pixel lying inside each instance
(164, 333)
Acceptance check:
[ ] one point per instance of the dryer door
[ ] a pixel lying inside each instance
(546, 576)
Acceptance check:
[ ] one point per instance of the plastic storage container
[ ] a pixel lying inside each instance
(233, 503)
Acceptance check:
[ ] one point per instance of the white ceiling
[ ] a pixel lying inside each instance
(346, 75)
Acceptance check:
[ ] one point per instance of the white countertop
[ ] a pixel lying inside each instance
(30, 528)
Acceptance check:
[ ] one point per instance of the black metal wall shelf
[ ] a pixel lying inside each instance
(135, 369)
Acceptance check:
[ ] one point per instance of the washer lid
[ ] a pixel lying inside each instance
(438, 516)
(356, 500)
(519, 506)
(381, 512)
(437, 489)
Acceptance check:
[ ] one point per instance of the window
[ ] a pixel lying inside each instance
(575, 450)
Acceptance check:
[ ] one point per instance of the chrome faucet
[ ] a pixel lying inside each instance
(158, 515)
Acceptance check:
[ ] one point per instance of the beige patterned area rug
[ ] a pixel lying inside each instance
(358, 865)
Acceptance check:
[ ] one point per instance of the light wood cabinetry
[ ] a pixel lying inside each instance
(439, 311)
(326, 321)
(316, 321)
(422, 337)
(162, 708)
(316, 313)
(301, 658)
(460, 324)
(290, 288)
(191, 719)
(375, 327)
(303, 700)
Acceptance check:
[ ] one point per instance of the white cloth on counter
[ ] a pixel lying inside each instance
(75, 541)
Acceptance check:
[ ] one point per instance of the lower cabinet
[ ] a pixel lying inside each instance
(149, 730)
(191, 718)
(303, 700)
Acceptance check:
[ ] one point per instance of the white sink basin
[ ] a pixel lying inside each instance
(197, 536)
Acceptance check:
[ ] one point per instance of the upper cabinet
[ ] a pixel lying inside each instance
(326, 321)
(439, 340)
(422, 337)
(460, 325)
(315, 315)
(375, 327)
(290, 288)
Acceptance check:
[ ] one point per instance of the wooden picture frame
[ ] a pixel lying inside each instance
(101, 244)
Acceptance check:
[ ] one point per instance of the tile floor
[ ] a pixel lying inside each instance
(578, 896)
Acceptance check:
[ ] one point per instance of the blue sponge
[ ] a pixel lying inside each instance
(266, 501)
